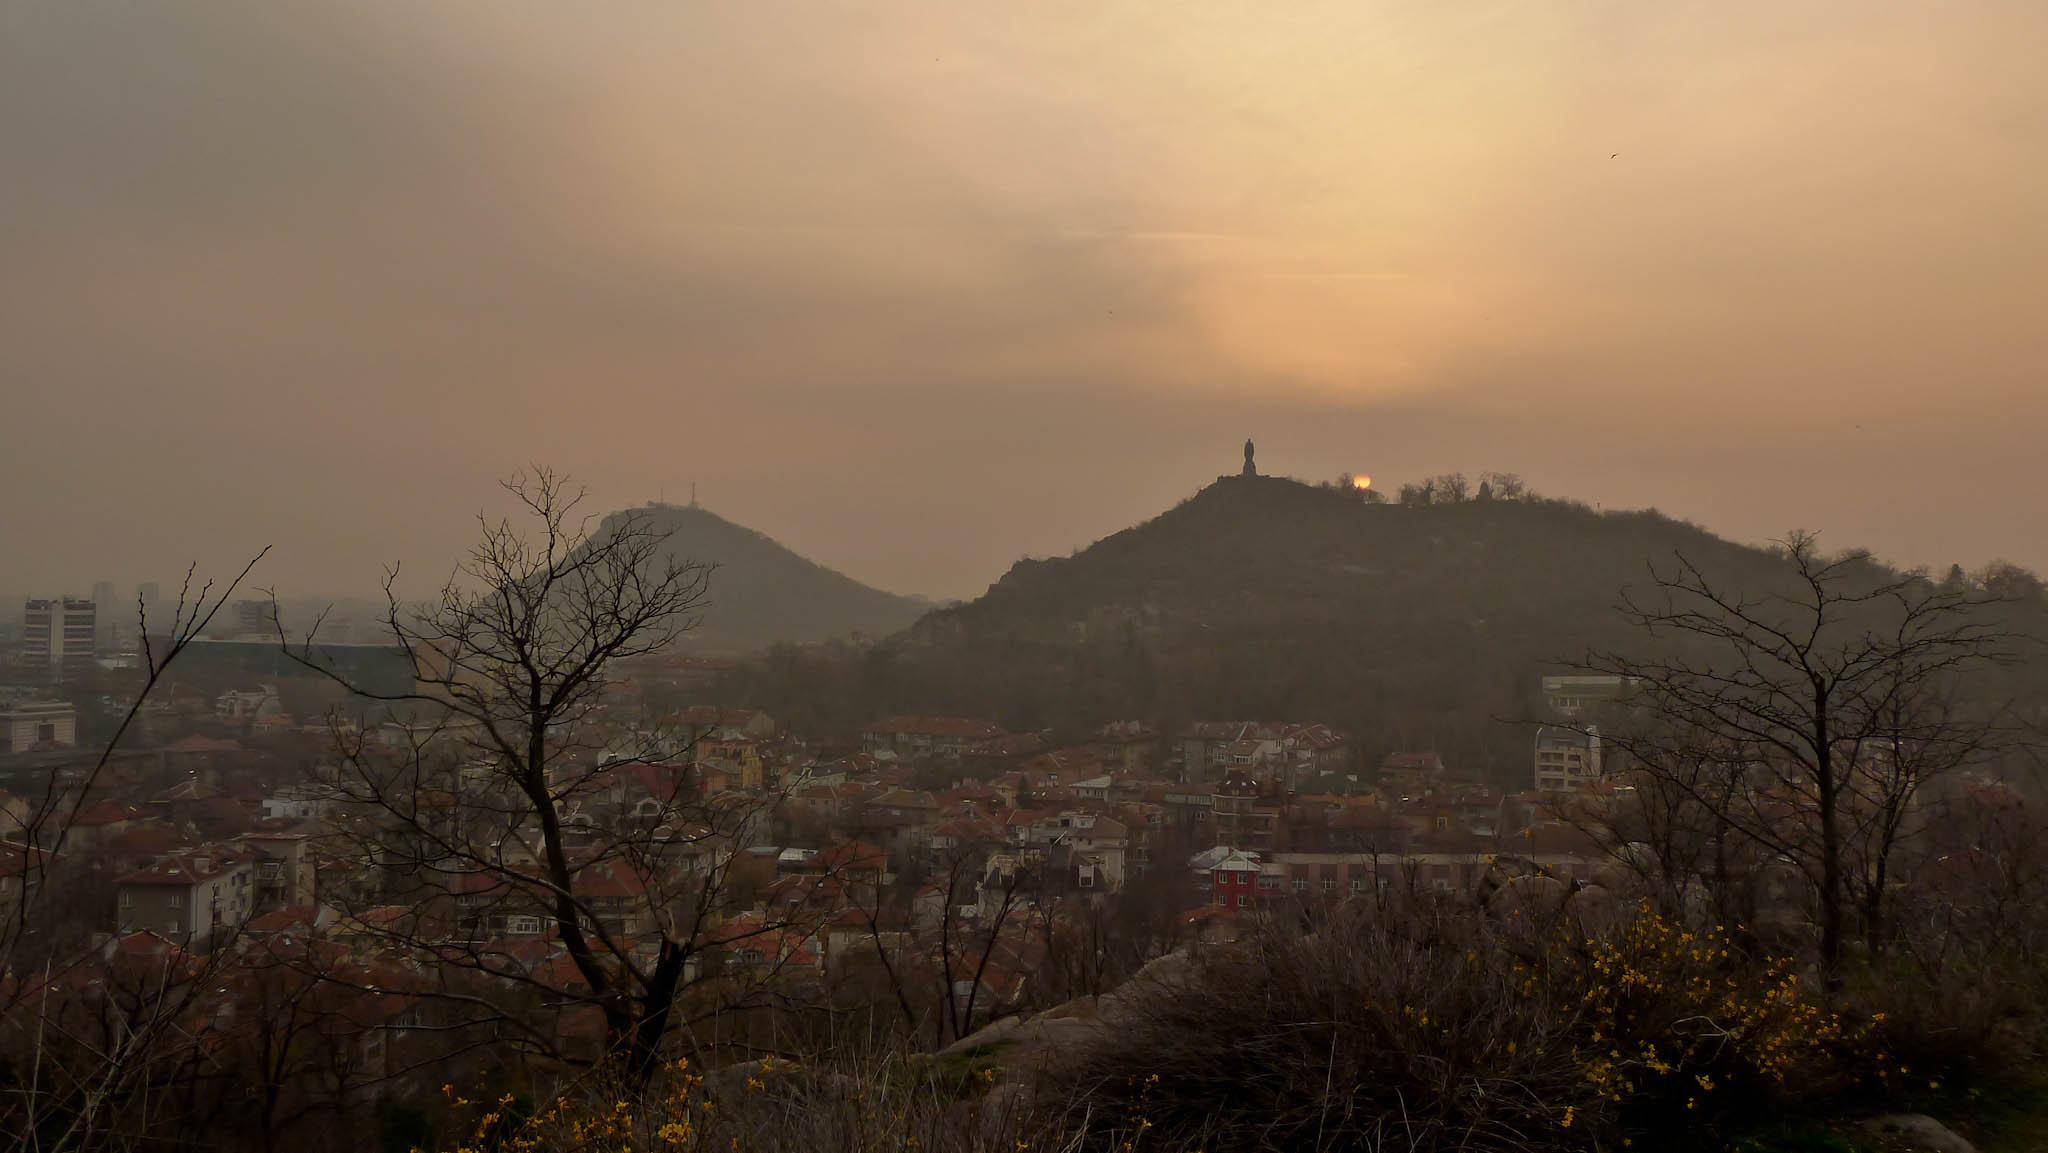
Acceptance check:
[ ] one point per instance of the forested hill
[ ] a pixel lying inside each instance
(1412, 627)
(762, 593)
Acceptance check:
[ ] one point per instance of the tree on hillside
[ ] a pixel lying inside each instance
(957, 961)
(518, 800)
(1504, 485)
(1810, 717)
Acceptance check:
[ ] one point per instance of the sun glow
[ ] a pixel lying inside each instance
(1361, 481)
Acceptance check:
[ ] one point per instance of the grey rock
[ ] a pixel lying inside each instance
(1916, 1131)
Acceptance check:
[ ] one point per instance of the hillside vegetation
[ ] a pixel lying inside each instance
(1412, 627)
(762, 593)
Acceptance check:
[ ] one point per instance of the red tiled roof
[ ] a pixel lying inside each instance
(609, 879)
(187, 867)
(847, 855)
(108, 813)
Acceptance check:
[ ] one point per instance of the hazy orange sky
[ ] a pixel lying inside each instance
(918, 288)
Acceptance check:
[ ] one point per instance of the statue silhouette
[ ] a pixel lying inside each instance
(1248, 469)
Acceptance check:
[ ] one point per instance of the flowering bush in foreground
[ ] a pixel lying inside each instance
(1443, 1028)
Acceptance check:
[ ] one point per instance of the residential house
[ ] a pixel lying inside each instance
(615, 895)
(191, 897)
(304, 801)
(1316, 750)
(739, 757)
(1232, 878)
(285, 875)
(932, 738)
(1064, 766)
(259, 703)
(855, 862)
(1243, 816)
(1127, 747)
(104, 821)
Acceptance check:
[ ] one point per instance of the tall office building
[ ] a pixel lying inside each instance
(58, 636)
(41, 634)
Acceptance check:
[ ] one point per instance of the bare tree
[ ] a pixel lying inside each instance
(1003, 886)
(1811, 716)
(1504, 485)
(508, 799)
(39, 832)
(93, 1043)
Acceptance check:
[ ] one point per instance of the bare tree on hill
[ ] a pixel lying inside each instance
(1806, 722)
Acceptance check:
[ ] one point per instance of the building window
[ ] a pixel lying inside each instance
(1357, 884)
(1328, 884)
(1300, 884)
(1243, 900)
(1244, 878)
(1269, 882)
(178, 900)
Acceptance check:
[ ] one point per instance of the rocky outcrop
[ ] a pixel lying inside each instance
(1915, 1131)
(1065, 1030)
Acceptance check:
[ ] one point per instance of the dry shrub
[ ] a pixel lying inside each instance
(1447, 1029)
(1442, 1027)
(1974, 1021)
(1414, 1032)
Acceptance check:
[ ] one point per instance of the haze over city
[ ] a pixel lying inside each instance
(921, 289)
(1352, 576)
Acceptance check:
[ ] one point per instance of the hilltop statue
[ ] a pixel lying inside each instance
(1248, 469)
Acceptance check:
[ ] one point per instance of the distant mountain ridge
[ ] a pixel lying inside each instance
(762, 593)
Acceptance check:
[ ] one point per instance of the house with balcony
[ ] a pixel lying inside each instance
(194, 898)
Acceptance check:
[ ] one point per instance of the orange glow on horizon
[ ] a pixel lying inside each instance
(1361, 481)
